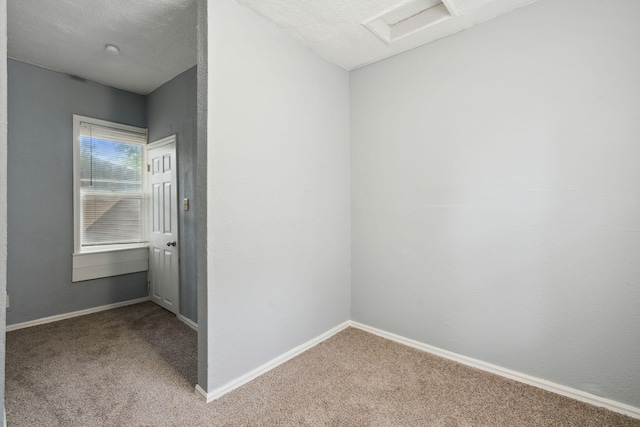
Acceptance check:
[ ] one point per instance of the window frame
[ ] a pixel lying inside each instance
(104, 260)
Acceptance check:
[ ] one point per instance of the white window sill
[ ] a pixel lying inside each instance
(110, 248)
(101, 262)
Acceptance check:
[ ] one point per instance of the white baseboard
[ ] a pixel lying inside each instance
(203, 394)
(74, 314)
(221, 391)
(508, 373)
(190, 323)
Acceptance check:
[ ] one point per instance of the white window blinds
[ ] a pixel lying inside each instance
(111, 185)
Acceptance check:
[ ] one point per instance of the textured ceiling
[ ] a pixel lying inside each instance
(157, 39)
(334, 30)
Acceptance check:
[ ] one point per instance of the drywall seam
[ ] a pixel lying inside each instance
(507, 373)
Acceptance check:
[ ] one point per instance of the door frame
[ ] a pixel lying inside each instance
(169, 140)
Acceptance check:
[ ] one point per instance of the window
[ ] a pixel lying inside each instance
(109, 190)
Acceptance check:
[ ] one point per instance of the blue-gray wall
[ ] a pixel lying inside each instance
(172, 110)
(41, 104)
(3, 194)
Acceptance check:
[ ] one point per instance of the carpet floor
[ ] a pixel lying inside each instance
(136, 366)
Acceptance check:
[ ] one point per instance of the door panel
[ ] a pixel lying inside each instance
(156, 294)
(163, 233)
(156, 201)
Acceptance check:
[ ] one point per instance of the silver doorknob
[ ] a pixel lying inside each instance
(171, 243)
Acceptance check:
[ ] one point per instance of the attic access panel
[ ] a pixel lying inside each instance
(406, 19)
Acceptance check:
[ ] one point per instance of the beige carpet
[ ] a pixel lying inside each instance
(137, 366)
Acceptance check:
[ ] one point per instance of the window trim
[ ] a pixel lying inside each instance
(108, 260)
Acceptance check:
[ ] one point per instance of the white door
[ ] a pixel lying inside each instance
(163, 221)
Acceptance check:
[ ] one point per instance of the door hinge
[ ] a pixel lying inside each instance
(148, 168)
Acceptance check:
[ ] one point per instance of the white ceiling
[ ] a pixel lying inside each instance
(334, 30)
(157, 39)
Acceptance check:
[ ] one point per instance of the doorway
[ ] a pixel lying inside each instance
(164, 276)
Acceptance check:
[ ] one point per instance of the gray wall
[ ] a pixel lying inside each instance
(3, 195)
(40, 191)
(171, 109)
(278, 227)
(201, 192)
(496, 194)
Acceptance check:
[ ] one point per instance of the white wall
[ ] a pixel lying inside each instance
(496, 194)
(278, 193)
